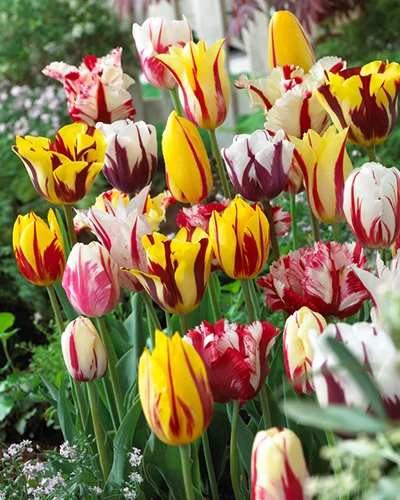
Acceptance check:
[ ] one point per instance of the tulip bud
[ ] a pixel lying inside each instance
(372, 204)
(174, 391)
(39, 248)
(297, 349)
(83, 351)
(131, 154)
(187, 168)
(258, 164)
(278, 467)
(91, 280)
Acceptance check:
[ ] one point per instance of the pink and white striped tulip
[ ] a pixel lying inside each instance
(131, 154)
(155, 37)
(282, 220)
(278, 467)
(372, 204)
(235, 357)
(298, 353)
(83, 351)
(91, 280)
(258, 165)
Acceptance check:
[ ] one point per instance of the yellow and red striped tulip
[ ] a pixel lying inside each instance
(240, 239)
(155, 208)
(204, 87)
(288, 44)
(174, 391)
(63, 171)
(187, 168)
(325, 165)
(178, 270)
(39, 248)
(364, 99)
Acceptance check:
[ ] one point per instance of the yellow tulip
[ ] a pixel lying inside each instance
(204, 86)
(39, 249)
(288, 44)
(325, 165)
(187, 168)
(64, 171)
(174, 391)
(240, 239)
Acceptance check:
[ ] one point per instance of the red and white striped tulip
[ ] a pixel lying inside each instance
(83, 351)
(278, 467)
(199, 215)
(155, 37)
(372, 204)
(91, 280)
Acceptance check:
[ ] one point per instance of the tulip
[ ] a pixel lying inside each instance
(91, 280)
(83, 351)
(174, 391)
(97, 90)
(240, 239)
(258, 164)
(363, 99)
(278, 467)
(154, 37)
(199, 215)
(203, 84)
(155, 208)
(131, 154)
(235, 357)
(321, 278)
(374, 349)
(288, 44)
(39, 248)
(325, 165)
(282, 220)
(372, 204)
(178, 270)
(297, 348)
(63, 172)
(187, 168)
(295, 183)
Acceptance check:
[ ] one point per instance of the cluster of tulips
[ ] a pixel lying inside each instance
(312, 109)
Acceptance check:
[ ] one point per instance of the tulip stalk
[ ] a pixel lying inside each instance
(69, 217)
(371, 153)
(183, 321)
(212, 291)
(175, 101)
(336, 232)
(234, 406)
(336, 465)
(315, 227)
(220, 164)
(154, 323)
(210, 466)
(265, 407)
(295, 243)
(247, 299)
(187, 476)
(273, 237)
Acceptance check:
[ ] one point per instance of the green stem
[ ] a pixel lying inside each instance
(210, 466)
(336, 465)
(7, 354)
(295, 243)
(371, 153)
(254, 299)
(234, 469)
(247, 299)
(265, 407)
(315, 226)
(273, 237)
(220, 164)
(213, 294)
(169, 324)
(183, 321)
(111, 367)
(187, 476)
(69, 217)
(111, 405)
(382, 252)
(56, 308)
(176, 101)
(154, 323)
(336, 232)
(105, 462)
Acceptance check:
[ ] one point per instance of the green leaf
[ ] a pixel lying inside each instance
(64, 414)
(277, 417)
(127, 370)
(136, 329)
(335, 417)
(7, 335)
(218, 436)
(69, 311)
(6, 406)
(64, 233)
(50, 387)
(6, 321)
(119, 337)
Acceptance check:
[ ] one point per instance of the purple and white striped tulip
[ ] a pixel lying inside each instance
(91, 280)
(258, 165)
(372, 204)
(131, 154)
(83, 351)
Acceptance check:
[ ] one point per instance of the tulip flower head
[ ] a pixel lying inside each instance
(155, 37)
(321, 278)
(278, 467)
(203, 84)
(363, 99)
(83, 351)
(258, 164)
(97, 90)
(297, 348)
(235, 357)
(325, 165)
(187, 169)
(131, 154)
(240, 239)
(39, 248)
(91, 280)
(178, 270)
(64, 171)
(200, 215)
(174, 391)
(372, 204)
